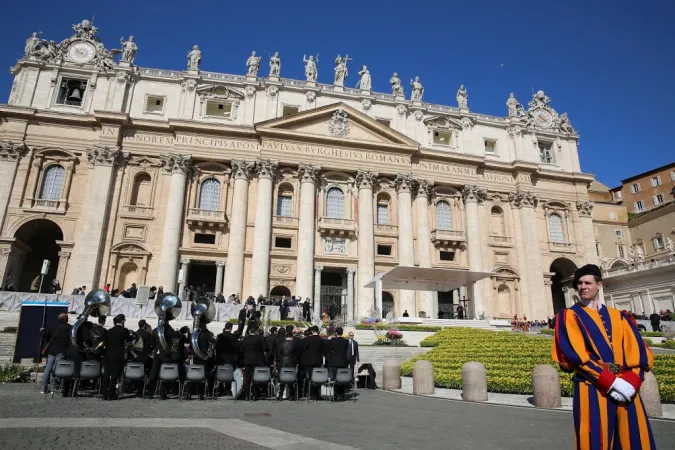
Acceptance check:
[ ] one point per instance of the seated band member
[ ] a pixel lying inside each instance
(253, 352)
(270, 346)
(335, 351)
(55, 345)
(311, 355)
(287, 357)
(204, 341)
(175, 354)
(115, 356)
(603, 348)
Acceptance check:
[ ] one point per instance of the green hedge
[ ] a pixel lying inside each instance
(549, 331)
(652, 333)
(509, 359)
(381, 326)
(278, 323)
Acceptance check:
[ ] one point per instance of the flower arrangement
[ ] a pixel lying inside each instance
(394, 335)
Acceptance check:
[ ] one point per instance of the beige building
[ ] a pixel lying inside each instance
(610, 227)
(647, 190)
(263, 185)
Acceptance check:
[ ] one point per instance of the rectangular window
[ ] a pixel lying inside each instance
(546, 152)
(283, 242)
(658, 199)
(442, 138)
(384, 250)
(619, 233)
(382, 215)
(71, 92)
(288, 110)
(201, 238)
(285, 206)
(635, 188)
(446, 256)
(658, 242)
(597, 248)
(639, 206)
(385, 122)
(672, 175)
(621, 251)
(655, 181)
(490, 146)
(218, 109)
(154, 105)
(619, 195)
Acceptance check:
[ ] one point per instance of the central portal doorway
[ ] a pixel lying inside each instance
(333, 292)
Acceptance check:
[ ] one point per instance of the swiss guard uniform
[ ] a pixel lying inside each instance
(599, 347)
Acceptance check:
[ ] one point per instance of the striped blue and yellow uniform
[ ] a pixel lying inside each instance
(586, 342)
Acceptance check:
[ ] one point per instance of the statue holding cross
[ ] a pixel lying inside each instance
(341, 70)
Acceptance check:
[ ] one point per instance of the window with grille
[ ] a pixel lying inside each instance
(443, 216)
(555, 225)
(52, 183)
(209, 195)
(546, 153)
(335, 203)
(655, 181)
(635, 188)
(658, 242)
(285, 206)
(658, 199)
(621, 251)
(639, 206)
(383, 214)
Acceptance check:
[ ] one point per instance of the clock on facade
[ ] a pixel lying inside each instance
(81, 52)
(542, 118)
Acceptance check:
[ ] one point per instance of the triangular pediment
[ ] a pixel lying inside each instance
(336, 122)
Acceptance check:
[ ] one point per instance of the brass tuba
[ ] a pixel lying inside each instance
(134, 343)
(96, 304)
(167, 307)
(203, 311)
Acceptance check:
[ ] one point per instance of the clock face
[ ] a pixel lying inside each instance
(542, 118)
(81, 52)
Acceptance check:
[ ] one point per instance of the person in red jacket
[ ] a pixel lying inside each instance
(603, 348)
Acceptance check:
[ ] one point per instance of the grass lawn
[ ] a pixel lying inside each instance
(509, 359)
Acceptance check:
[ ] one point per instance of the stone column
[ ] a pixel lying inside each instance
(585, 210)
(526, 202)
(64, 257)
(306, 231)
(350, 294)
(220, 269)
(263, 229)
(406, 252)
(9, 160)
(317, 291)
(423, 189)
(185, 268)
(472, 196)
(178, 166)
(365, 297)
(234, 275)
(90, 241)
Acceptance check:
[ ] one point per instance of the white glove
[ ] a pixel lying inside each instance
(623, 387)
(616, 396)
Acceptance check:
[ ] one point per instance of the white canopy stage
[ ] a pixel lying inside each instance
(426, 279)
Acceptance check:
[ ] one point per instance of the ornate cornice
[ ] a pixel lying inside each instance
(423, 188)
(523, 199)
(585, 208)
(242, 170)
(10, 151)
(266, 168)
(176, 163)
(189, 85)
(307, 173)
(105, 156)
(365, 179)
(473, 193)
(404, 183)
(311, 96)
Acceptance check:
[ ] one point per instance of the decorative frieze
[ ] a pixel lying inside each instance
(307, 173)
(339, 124)
(366, 179)
(585, 208)
(366, 104)
(526, 199)
(176, 163)
(473, 193)
(242, 169)
(404, 183)
(10, 151)
(423, 188)
(189, 85)
(335, 246)
(105, 156)
(311, 97)
(266, 168)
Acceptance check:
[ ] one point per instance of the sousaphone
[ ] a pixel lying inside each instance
(203, 312)
(96, 304)
(167, 307)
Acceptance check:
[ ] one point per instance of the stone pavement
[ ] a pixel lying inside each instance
(376, 420)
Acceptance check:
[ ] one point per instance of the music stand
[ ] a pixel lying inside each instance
(142, 297)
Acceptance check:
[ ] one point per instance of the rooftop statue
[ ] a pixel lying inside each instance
(462, 98)
(417, 90)
(253, 65)
(396, 86)
(365, 83)
(129, 50)
(275, 65)
(341, 71)
(194, 58)
(311, 72)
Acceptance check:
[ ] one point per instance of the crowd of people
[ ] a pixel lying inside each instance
(285, 347)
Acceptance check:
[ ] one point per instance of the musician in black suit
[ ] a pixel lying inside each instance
(227, 347)
(253, 351)
(204, 340)
(115, 355)
(142, 355)
(175, 341)
(270, 346)
(335, 351)
(287, 357)
(98, 335)
(352, 351)
(311, 354)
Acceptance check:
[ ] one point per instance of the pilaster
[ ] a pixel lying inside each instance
(473, 195)
(366, 243)
(10, 154)
(307, 175)
(406, 252)
(263, 228)
(422, 192)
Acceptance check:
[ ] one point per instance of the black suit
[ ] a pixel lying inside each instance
(352, 352)
(162, 356)
(143, 355)
(311, 355)
(115, 355)
(306, 312)
(336, 350)
(270, 348)
(241, 321)
(227, 349)
(101, 334)
(253, 351)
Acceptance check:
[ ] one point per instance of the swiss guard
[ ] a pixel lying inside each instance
(603, 348)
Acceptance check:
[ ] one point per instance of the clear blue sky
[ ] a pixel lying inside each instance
(610, 65)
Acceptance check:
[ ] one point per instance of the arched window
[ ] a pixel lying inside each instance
(52, 183)
(443, 216)
(209, 195)
(285, 201)
(383, 209)
(335, 203)
(497, 225)
(555, 225)
(140, 193)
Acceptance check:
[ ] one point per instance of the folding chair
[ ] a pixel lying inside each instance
(133, 371)
(343, 377)
(89, 371)
(64, 370)
(225, 375)
(319, 378)
(261, 375)
(195, 374)
(288, 376)
(168, 373)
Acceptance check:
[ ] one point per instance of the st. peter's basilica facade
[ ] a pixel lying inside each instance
(258, 184)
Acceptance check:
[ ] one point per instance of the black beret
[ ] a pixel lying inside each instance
(588, 269)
